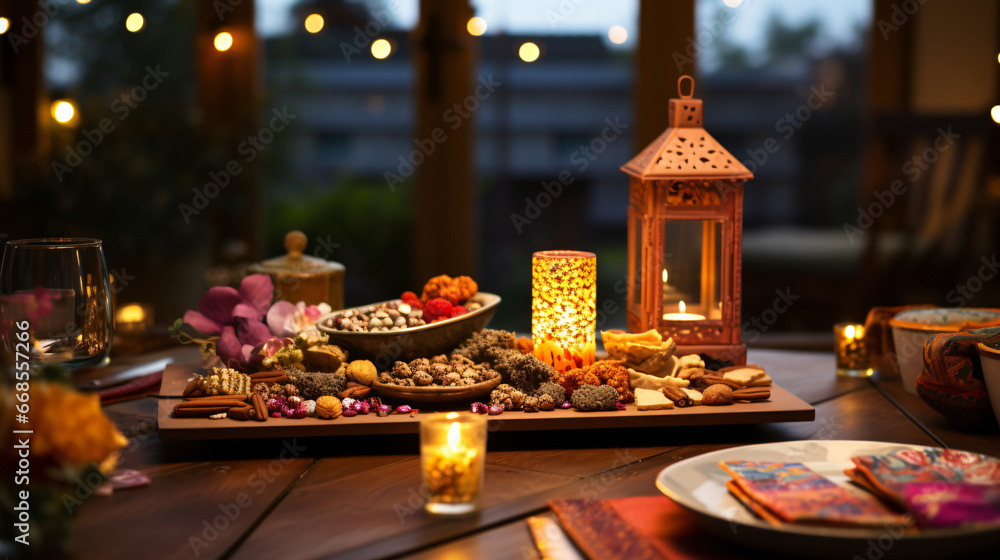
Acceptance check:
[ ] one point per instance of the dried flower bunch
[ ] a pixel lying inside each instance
(499, 349)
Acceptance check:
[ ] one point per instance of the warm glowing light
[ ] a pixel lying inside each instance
(618, 34)
(223, 41)
(529, 52)
(134, 22)
(733, 3)
(849, 331)
(682, 314)
(63, 111)
(454, 436)
(564, 308)
(314, 23)
(995, 113)
(4, 25)
(381, 49)
(476, 26)
(133, 313)
(83, 1)
(664, 276)
(998, 58)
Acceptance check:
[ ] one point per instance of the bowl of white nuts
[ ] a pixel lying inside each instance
(391, 330)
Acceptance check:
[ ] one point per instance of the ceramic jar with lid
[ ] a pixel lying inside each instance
(300, 277)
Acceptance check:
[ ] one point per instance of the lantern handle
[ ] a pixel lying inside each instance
(680, 87)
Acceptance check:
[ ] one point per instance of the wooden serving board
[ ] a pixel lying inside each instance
(783, 407)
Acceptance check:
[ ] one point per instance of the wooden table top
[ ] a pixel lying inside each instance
(358, 496)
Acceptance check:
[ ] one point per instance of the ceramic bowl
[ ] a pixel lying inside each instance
(990, 358)
(911, 329)
(384, 348)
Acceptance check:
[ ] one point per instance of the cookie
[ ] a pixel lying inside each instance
(648, 399)
(717, 395)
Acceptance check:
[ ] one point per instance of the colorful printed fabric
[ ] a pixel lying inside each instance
(796, 494)
(952, 379)
(940, 487)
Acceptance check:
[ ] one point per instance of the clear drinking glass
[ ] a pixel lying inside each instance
(58, 291)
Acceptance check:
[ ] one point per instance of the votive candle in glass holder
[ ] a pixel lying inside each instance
(453, 459)
(852, 352)
(564, 308)
(133, 318)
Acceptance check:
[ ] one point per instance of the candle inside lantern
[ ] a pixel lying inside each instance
(564, 308)
(852, 352)
(133, 318)
(453, 457)
(681, 315)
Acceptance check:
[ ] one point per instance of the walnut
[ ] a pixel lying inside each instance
(291, 390)
(420, 363)
(452, 378)
(401, 370)
(439, 359)
(277, 390)
(423, 378)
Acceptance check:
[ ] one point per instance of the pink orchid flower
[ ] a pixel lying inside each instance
(286, 320)
(237, 317)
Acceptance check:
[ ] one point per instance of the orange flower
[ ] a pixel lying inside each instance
(69, 427)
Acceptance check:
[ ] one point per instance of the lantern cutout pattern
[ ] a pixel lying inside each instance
(564, 308)
(685, 236)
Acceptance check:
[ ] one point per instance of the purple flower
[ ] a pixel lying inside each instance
(237, 317)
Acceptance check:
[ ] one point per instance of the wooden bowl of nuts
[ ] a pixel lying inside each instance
(437, 393)
(388, 331)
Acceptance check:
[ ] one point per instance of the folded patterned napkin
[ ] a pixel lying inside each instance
(793, 493)
(951, 381)
(647, 528)
(940, 487)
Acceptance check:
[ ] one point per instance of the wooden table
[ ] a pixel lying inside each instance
(358, 497)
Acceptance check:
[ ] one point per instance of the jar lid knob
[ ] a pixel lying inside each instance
(295, 243)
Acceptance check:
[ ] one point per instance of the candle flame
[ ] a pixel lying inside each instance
(682, 307)
(454, 434)
(849, 331)
(664, 276)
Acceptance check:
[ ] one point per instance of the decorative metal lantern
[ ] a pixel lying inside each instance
(685, 237)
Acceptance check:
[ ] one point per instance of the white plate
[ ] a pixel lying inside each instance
(699, 485)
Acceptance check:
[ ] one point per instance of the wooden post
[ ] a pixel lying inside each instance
(665, 32)
(228, 99)
(24, 112)
(444, 225)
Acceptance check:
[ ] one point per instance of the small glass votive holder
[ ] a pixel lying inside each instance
(453, 461)
(133, 318)
(851, 350)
